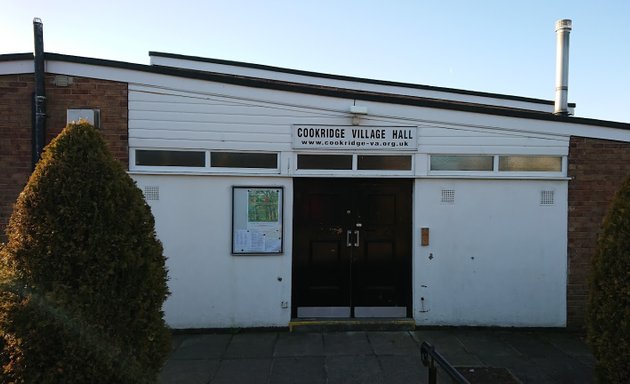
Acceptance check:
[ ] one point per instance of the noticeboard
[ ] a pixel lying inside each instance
(257, 215)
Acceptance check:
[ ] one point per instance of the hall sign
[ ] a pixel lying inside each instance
(384, 138)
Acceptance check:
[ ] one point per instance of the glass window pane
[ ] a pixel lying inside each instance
(244, 160)
(390, 163)
(530, 163)
(461, 163)
(170, 158)
(324, 161)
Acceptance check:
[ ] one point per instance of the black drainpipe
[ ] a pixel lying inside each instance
(39, 98)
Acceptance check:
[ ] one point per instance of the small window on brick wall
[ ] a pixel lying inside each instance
(92, 116)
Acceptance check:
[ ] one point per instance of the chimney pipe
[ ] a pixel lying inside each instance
(563, 28)
(39, 98)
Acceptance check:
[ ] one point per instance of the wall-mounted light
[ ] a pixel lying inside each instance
(357, 111)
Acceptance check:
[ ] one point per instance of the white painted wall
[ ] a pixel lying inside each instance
(210, 288)
(499, 257)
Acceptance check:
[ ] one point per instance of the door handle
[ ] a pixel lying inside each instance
(348, 234)
(356, 242)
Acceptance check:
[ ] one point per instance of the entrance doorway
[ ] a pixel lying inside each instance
(352, 247)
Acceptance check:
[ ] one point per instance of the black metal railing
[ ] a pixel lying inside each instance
(430, 357)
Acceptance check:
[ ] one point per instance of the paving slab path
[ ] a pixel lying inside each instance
(278, 357)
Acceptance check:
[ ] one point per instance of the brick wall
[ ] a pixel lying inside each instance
(16, 127)
(597, 168)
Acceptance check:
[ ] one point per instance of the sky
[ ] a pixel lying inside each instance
(498, 46)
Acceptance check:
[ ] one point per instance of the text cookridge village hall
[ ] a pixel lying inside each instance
(396, 138)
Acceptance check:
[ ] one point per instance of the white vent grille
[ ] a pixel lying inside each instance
(152, 193)
(448, 196)
(546, 197)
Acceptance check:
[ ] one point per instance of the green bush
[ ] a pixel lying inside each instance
(83, 275)
(609, 305)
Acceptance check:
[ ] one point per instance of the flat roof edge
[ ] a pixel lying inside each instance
(351, 78)
(327, 91)
(17, 56)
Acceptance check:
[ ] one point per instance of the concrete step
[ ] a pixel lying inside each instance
(343, 324)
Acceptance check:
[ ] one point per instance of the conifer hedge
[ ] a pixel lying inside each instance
(83, 274)
(609, 304)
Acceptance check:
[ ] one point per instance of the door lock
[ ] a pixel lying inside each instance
(349, 239)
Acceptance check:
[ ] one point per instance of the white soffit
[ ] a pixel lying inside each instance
(16, 67)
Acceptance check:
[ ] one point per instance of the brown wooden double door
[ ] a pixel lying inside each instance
(352, 247)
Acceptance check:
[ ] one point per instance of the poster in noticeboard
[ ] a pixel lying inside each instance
(257, 220)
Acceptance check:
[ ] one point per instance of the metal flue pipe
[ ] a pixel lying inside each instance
(39, 98)
(563, 28)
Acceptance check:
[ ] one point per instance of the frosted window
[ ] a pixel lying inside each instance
(461, 163)
(530, 163)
